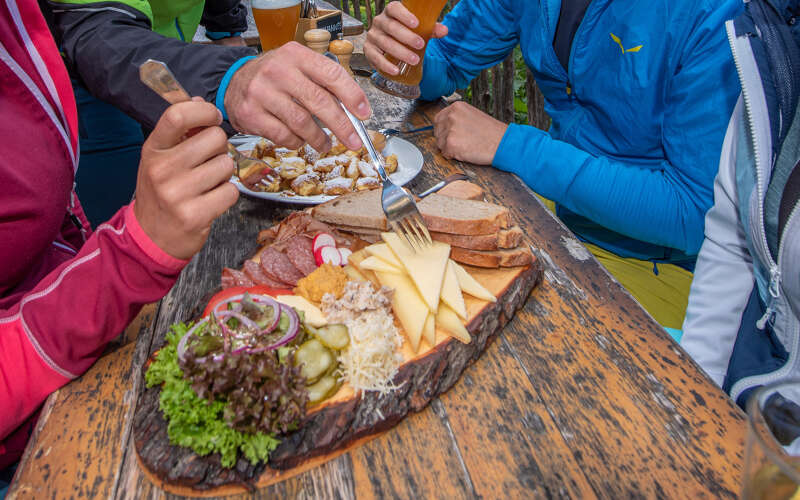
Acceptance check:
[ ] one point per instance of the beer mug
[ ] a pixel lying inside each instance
(772, 451)
(276, 21)
(406, 83)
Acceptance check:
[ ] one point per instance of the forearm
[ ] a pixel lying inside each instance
(58, 329)
(105, 48)
(647, 205)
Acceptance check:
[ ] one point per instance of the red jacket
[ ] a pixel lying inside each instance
(65, 291)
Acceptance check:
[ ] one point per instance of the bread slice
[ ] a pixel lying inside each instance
(464, 190)
(441, 213)
(504, 238)
(495, 258)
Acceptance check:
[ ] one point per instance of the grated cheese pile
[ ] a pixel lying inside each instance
(371, 360)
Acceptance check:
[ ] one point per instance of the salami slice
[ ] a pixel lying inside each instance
(232, 277)
(278, 266)
(256, 273)
(301, 254)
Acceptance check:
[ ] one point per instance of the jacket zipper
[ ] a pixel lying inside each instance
(756, 223)
(757, 226)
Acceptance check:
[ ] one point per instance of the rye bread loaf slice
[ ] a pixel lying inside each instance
(495, 258)
(504, 238)
(441, 213)
(464, 190)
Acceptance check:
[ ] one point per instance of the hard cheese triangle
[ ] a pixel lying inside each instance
(383, 252)
(425, 267)
(429, 330)
(375, 264)
(451, 292)
(407, 305)
(470, 285)
(449, 321)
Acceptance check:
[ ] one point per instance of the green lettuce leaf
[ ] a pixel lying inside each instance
(194, 422)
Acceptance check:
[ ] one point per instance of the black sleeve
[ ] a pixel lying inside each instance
(103, 47)
(224, 15)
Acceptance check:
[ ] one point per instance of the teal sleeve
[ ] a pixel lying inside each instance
(481, 34)
(663, 204)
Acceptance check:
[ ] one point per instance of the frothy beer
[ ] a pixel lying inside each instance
(276, 21)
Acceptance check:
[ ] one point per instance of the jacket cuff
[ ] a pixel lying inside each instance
(147, 245)
(518, 137)
(219, 35)
(226, 80)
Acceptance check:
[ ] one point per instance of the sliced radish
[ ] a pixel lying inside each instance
(323, 240)
(328, 255)
(345, 253)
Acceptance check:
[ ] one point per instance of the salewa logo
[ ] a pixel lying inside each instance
(624, 50)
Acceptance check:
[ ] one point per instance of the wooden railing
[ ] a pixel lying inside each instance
(492, 91)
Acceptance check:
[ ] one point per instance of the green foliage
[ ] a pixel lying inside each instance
(194, 422)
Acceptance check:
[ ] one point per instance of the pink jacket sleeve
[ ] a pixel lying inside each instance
(58, 329)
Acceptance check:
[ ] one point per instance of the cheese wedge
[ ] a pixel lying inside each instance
(448, 320)
(354, 274)
(407, 305)
(451, 292)
(426, 267)
(355, 260)
(313, 315)
(383, 252)
(429, 330)
(470, 285)
(376, 264)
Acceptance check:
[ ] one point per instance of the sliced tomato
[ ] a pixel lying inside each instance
(238, 290)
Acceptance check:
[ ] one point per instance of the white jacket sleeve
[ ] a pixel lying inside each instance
(723, 278)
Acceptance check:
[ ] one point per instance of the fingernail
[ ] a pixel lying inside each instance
(219, 114)
(355, 141)
(414, 22)
(419, 43)
(394, 70)
(415, 60)
(363, 110)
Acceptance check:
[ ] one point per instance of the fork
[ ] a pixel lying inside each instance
(399, 206)
(157, 76)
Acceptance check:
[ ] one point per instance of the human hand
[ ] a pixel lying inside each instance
(231, 41)
(182, 184)
(392, 33)
(468, 134)
(275, 95)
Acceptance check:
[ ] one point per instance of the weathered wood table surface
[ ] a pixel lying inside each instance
(582, 396)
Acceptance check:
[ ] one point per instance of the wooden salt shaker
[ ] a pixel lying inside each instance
(317, 40)
(343, 49)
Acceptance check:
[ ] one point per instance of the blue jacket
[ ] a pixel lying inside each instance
(638, 120)
(742, 325)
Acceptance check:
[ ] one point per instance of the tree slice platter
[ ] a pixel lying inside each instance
(346, 420)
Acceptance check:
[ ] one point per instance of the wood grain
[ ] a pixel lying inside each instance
(582, 395)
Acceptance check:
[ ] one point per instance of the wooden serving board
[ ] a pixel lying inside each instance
(346, 420)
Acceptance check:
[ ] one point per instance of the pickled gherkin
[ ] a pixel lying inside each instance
(323, 389)
(314, 360)
(333, 336)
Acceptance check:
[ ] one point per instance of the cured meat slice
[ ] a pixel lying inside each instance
(278, 266)
(233, 277)
(254, 271)
(300, 253)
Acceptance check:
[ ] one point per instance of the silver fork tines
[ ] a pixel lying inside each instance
(399, 206)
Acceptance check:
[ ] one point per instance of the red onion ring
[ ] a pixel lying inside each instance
(249, 323)
(291, 331)
(181, 349)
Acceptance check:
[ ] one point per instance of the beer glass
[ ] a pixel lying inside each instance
(276, 21)
(772, 453)
(406, 83)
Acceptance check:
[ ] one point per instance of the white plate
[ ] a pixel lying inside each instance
(409, 164)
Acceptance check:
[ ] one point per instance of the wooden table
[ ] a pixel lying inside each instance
(582, 396)
(350, 26)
